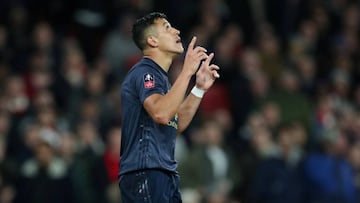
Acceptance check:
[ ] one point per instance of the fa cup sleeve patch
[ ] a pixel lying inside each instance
(149, 81)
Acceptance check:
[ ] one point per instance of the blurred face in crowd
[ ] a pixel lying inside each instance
(87, 133)
(306, 68)
(43, 99)
(354, 155)
(74, 66)
(15, 86)
(47, 116)
(268, 43)
(213, 133)
(299, 134)
(289, 81)
(259, 85)
(95, 83)
(43, 35)
(67, 145)
(89, 109)
(5, 123)
(285, 140)
(224, 50)
(308, 31)
(44, 154)
(41, 79)
(352, 16)
(16, 98)
(338, 145)
(271, 113)
(261, 141)
(31, 135)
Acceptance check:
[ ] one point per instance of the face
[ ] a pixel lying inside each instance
(167, 37)
(44, 154)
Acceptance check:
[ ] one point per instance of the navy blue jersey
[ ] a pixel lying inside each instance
(145, 144)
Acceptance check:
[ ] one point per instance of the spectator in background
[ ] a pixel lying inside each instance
(287, 96)
(19, 30)
(8, 164)
(28, 139)
(118, 48)
(328, 175)
(305, 68)
(272, 115)
(256, 144)
(278, 177)
(354, 159)
(17, 101)
(44, 177)
(71, 78)
(215, 183)
(39, 77)
(248, 84)
(88, 110)
(44, 43)
(304, 41)
(88, 172)
(112, 161)
(68, 147)
(270, 53)
(87, 101)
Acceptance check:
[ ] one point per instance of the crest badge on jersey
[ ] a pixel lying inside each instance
(149, 81)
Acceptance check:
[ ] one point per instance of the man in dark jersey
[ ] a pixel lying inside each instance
(154, 112)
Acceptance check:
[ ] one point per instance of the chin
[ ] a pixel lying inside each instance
(181, 50)
(178, 52)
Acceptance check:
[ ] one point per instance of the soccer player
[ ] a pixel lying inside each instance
(154, 112)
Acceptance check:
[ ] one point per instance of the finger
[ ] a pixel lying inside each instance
(214, 67)
(192, 43)
(199, 49)
(202, 56)
(215, 74)
(207, 61)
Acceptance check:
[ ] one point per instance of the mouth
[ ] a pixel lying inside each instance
(178, 40)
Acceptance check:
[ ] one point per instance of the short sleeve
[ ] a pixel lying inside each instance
(149, 82)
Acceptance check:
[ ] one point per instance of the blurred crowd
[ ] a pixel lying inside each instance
(282, 124)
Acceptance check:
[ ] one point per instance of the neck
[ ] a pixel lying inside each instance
(164, 60)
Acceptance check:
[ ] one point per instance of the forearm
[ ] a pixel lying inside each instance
(205, 78)
(187, 111)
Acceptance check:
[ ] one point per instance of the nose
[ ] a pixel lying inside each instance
(176, 31)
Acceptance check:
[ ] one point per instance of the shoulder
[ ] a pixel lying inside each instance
(142, 68)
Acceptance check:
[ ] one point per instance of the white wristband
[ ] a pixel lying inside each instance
(197, 92)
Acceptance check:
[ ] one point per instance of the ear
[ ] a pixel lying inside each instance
(152, 41)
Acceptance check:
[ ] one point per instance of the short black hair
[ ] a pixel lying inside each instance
(141, 25)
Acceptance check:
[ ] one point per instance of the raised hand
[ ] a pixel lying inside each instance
(194, 56)
(207, 74)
